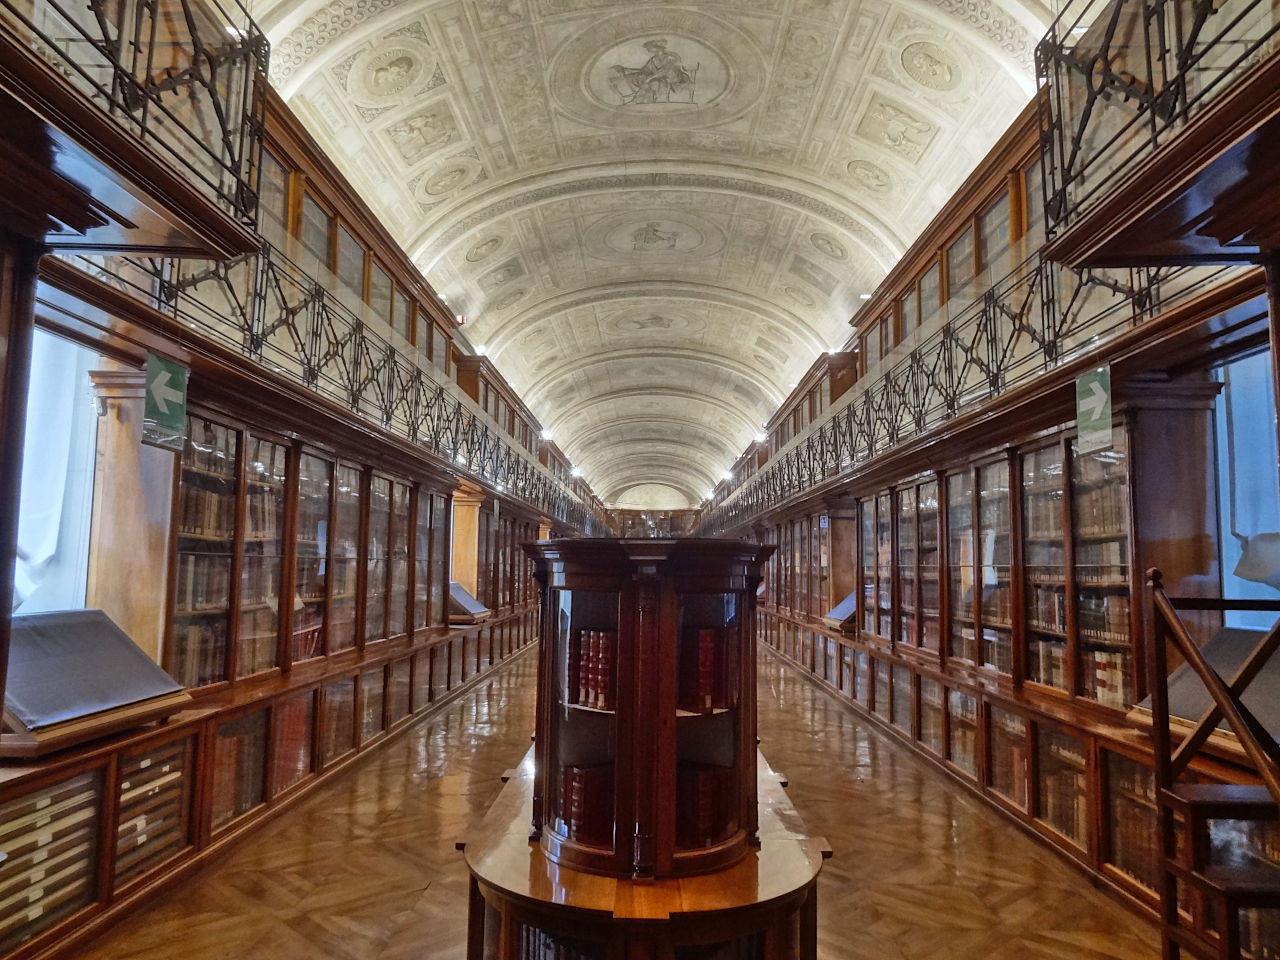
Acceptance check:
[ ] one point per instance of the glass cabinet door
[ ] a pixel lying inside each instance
(257, 640)
(927, 533)
(707, 719)
(884, 566)
(206, 521)
(1100, 535)
(584, 726)
(376, 559)
(960, 567)
(994, 563)
(422, 562)
(398, 561)
(907, 613)
(1044, 567)
(312, 556)
(868, 511)
(345, 556)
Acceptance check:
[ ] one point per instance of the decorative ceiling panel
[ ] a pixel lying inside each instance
(654, 216)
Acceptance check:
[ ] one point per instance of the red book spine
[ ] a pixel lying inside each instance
(584, 665)
(607, 640)
(593, 680)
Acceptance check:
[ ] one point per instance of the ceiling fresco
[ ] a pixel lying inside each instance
(654, 216)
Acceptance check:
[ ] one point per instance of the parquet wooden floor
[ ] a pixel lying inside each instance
(366, 868)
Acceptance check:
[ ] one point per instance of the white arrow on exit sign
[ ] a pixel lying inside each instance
(163, 393)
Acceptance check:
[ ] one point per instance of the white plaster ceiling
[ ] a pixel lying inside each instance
(654, 216)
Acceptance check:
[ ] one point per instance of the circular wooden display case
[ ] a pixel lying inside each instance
(646, 729)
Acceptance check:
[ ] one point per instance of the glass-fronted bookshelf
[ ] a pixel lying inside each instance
(908, 596)
(344, 558)
(994, 562)
(884, 565)
(208, 489)
(927, 533)
(960, 566)
(1044, 567)
(1100, 541)
(312, 546)
(257, 643)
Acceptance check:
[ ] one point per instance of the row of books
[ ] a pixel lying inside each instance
(997, 649)
(1104, 617)
(1043, 513)
(1064, 801)
(210, 447)
(1047, 607)
(239, 767)
(706, 804)
(1047, 662)
(206, 513)
(703, 665)
(1103, 676)
(1102, 510)
(586, 803)
(153, 818)
(203, 583)
(537, 944)
(1009, 767)
(50, 838)
(589, 680)
(199, 653)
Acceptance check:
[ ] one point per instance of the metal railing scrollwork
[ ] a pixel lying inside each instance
(1038, 317)
(1121, 77)
(273, 313)
(179, 75)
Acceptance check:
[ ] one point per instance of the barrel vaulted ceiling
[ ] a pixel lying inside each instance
(654, 216)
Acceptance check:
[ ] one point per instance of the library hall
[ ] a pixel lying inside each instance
(598, 480)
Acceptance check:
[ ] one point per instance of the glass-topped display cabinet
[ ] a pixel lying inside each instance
(646, 704)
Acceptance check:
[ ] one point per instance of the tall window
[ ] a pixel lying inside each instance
(350, 266)
(56, 497)
(1249, 500)
(273, 198)
(316, 227)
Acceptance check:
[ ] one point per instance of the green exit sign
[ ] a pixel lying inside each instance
(1093, 410)
(164, 417)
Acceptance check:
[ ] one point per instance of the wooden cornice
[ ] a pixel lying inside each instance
(1015, 148)
(1171, 170)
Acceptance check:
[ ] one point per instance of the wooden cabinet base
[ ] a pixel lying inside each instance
(523, 906)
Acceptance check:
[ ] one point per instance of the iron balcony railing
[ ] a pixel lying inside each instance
(179, 75)
(279, 316)
(1038, 317)
(1120, 78)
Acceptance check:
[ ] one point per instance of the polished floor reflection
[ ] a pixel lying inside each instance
(366, 868)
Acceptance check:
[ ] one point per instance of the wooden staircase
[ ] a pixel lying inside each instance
(1209, 903)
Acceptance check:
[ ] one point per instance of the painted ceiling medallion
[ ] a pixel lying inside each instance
(658, 68)
(387, 72)
(931, 66)
(654, 236)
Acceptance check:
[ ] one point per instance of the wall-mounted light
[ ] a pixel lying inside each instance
(481, 350)
(546, 434)
(761, 437)
(727, 475)
(575, 472)
(864, 296)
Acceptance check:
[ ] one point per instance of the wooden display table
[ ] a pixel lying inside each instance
(524, 906)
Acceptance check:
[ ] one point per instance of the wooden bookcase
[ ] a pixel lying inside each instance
(647, 838)
(1027, 559)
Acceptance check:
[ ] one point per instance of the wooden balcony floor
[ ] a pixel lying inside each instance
(367, 868)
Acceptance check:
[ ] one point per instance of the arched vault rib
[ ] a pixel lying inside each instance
(880, 241)
(549, 380)
(640, 290)
(556, 423)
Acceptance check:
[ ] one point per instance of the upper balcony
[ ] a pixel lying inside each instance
(1161, 123)
(130, 124)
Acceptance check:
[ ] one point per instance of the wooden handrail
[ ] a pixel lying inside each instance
(1257, 742)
